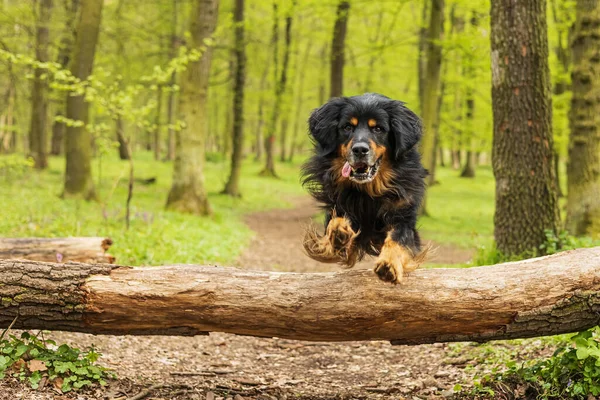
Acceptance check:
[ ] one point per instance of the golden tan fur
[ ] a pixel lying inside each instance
(395, 259)
(336, 246)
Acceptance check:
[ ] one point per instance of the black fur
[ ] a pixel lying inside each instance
(374, 217)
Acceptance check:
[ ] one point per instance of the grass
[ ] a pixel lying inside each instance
(460, 210)
(31, 207)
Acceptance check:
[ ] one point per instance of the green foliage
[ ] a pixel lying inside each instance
(31, 359)
(572, 372)
(552, 245)
(564, 241)
(15, 166)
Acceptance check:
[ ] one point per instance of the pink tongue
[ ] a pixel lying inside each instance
(346, 170)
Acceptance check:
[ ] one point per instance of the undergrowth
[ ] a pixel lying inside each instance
(40, 362)
(572, 372)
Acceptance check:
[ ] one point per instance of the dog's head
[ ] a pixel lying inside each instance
(363, 132)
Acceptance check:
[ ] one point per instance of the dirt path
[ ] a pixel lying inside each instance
(277, 244)
(253, 368)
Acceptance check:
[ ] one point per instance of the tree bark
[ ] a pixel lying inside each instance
(338, 46)
(526, 197)
(583, 168)
(188, 193)
(232, 187)
(78, 176)
(38, 131)
(72, 249)
(441, 305)
(64, 56)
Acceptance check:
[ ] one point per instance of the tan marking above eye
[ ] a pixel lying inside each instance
(372, 123)
(354, 121)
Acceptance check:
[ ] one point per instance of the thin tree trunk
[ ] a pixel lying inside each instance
(431, 92)
(172, 95)
(422, 60)
(78, 176)
(299, 101)
(188, 193)
(469, 71)
(526, 200)
(38, 140)
(123, 145)
(158, 123)
(583, 168)
(505, 301)
(280, 88)
(232, 186)
(563, 54)
(338, 46)
(64, 56)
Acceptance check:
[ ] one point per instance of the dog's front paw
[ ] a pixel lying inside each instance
(341, 236)
(394, 260)
(389, 272)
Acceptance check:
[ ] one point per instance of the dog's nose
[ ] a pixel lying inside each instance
(360, 149)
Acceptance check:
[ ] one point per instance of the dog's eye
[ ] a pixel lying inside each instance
(377, 129)
(348, 128)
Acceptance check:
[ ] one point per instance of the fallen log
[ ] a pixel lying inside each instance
(77, 249)
(543, 296)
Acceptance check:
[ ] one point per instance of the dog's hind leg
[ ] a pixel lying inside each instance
(336, 245)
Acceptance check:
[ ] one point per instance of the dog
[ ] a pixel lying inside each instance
(367, 175)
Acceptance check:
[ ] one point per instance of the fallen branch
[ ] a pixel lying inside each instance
(543, 296)
(77, 249)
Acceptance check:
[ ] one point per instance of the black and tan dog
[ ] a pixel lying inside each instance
(367, 174)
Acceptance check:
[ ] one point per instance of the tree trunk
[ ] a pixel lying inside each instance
(338, 46)
(64, 56)
(172, 95)
(188, 193)
(583, 168)
(299, 120)
(72, 249)
(442, 305)
(38, 136)
(123, 145)
(280, 87)
(562, 84)
(469, 169)
(526, 201)
(432, 87)
(232, 186)
(422, 59)
(78, 176)
(158, 123)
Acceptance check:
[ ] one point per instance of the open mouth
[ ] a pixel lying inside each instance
(361, 172)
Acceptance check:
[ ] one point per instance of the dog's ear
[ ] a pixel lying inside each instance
(323, 124)
(406, 129)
